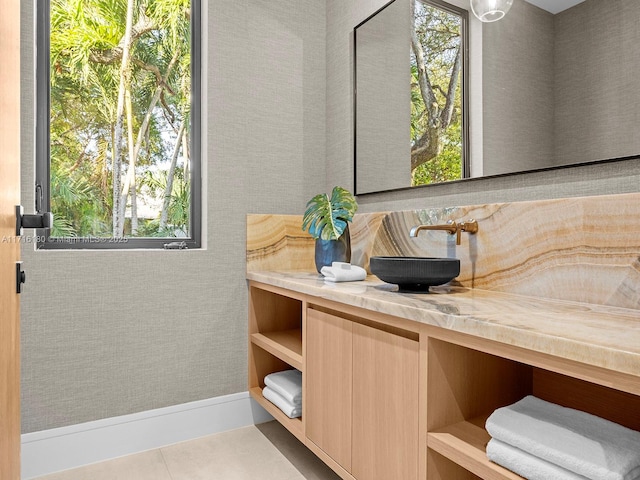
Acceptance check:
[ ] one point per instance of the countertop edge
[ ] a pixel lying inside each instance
(485, 314)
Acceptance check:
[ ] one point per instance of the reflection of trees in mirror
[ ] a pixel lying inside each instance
(119, 126)
(436, 106)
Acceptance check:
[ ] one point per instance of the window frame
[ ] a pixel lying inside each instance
(43, 149)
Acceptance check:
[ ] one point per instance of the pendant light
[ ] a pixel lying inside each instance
(490, 10)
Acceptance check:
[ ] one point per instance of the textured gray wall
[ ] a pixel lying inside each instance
(110, 333)
(342, 16)
(597, 79)
(561, 89)
(517, 85)
(383, 139)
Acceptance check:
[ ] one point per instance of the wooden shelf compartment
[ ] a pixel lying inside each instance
(271, 312)
(294, 425)
(285, 345)
(275, 333)
(467, 385)
(464, 443)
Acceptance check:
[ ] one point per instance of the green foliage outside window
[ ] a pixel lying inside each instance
(436, 96)
(120, 101)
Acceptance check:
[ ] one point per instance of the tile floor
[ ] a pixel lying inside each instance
(265, 452)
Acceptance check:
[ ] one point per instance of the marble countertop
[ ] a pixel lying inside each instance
(597, 335)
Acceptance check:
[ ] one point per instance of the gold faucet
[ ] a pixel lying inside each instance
(452, 227)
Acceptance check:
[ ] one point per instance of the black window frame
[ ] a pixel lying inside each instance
(42, 149)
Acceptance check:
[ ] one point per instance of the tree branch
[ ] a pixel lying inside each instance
(143, 130)
(80, 159)
(447, 111)
(426, 90)
(142, 26)
(426, 147)
(164, 214)
(156, 71)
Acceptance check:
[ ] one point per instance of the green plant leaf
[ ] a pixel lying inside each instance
(62, 227)
(326, 217)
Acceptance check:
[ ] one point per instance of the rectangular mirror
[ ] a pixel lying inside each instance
(538, 89)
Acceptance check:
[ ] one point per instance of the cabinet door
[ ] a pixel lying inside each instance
(328, 384)
(385, 405)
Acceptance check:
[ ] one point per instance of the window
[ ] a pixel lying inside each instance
(118, 123)
(439, 145)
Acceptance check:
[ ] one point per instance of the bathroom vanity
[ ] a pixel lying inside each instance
(399, 385)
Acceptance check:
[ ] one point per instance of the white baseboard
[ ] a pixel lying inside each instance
(50, 451)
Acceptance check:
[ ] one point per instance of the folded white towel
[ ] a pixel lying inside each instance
(289, 409)
(288, 384)
(343, 272)
(525, 465)
(577, 441)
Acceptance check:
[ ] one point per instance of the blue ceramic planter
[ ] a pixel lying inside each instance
(329, 251)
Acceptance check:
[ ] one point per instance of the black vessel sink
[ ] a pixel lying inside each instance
(415, 274)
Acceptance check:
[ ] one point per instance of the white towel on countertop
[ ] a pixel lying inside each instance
(343, 272)
(526, 465)
(577, 441)
(288, 384)
(289, 409)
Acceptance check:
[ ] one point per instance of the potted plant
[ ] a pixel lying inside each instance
(327, 220)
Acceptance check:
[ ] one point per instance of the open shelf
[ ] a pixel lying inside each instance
(294, 425)
(275, 337)
(464, 443)
(477, 383)
(285, 345)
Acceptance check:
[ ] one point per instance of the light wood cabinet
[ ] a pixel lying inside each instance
(362, 396)
(387, 398)
(329, 385)
(385, 405)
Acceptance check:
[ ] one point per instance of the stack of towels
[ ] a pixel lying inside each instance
(284, 390)
(544, 441)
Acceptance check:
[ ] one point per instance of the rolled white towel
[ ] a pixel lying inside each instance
(526, 465)
(574, 440)
(343, 272)
(289, 409)
(287, 384)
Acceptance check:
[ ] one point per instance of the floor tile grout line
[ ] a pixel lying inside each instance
(166, 465)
